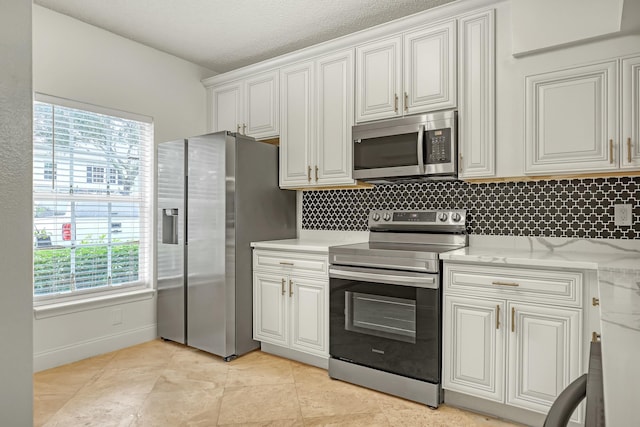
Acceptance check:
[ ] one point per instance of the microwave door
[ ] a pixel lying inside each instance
(379, 156)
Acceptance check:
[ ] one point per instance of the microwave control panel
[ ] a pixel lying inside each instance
(438, 146)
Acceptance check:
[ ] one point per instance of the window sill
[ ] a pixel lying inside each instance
(61, 308)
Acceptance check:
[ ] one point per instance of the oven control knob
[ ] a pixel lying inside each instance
(443, 216)
(456, 217)
(386, 217)
(376, 216)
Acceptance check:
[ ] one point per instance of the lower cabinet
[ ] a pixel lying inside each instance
(506, 349)
(290, 310)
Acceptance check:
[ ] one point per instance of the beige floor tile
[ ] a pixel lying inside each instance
(152, 354)
(276, 423)
(257, 404)
(354, 420)
(88, 411)
(45, 408)
(260, 372)
(335, 398)
(444, 416)
(112, 383)
(177, 408)
(190, 378)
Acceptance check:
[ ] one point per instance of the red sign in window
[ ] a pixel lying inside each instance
(66, 231)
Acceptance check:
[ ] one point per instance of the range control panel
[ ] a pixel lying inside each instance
(432, 219)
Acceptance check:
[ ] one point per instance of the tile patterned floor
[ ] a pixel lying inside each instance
(163, 384)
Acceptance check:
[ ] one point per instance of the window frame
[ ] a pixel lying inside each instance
(147, 202)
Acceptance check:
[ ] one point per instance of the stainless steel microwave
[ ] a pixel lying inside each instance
(416, 148)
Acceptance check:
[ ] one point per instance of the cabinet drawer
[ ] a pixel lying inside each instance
(547, 286)
(291, 263)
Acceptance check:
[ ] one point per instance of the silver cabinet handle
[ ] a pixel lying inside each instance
(283, 291)
(309, 173)
(395, 104)
(611, 151)
(285, 263)
(290, 288)
(244, 129)
(316, 173)
(387, 277)
(238, 129)
(406, 102)
(629, 150)
(498, 316)
(513, 319)
(505, 283)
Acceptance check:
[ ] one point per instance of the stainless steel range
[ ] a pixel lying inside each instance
(386, 305)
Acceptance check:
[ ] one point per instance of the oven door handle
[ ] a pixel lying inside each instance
(421, 148)
(386, 277)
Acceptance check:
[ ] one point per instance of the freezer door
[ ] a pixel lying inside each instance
(206, 326)
(170, 241)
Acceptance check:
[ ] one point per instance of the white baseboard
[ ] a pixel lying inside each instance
(94, 347)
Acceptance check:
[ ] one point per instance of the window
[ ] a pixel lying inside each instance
(92, 198)
(49, 171)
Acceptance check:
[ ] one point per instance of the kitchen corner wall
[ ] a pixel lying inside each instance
(581, 208)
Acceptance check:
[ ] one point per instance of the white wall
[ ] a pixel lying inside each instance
(16, 400)
(84, 63)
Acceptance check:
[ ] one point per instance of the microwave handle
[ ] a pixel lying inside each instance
(421, 148)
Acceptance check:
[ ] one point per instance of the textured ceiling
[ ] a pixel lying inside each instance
(223, 35)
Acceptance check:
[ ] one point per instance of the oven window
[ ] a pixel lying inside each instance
(381, 316)
(386, 152)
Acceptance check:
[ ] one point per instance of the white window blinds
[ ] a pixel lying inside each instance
(92, 198)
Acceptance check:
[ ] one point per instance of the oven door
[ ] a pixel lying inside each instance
(387, 320)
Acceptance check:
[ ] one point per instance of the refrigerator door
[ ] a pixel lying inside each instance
(170, 241)
(206, 326)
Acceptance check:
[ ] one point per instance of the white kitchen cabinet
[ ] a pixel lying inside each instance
(476, 89)
(270, 307)
(297, 134)
(544, 354)
(630, 131)
(571, 120)
(473, 342)
(291, 301)
(227, 107)
(378, 79)
(308, 314)
(407, 74)
(317, 116)
(249, 106)
(512, 327)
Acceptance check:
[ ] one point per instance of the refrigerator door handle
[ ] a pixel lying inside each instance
(170, 226)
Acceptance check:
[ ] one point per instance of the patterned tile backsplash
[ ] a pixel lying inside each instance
(580, 208)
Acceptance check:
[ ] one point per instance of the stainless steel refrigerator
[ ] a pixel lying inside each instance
(216, 194)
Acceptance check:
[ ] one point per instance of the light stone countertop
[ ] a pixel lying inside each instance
(617, 263)
(318, 242)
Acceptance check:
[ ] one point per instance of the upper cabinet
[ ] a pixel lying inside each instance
(317, 116)
(249, 106)
(630, 136)
(476, 86)
(407, 74)
(573, 120)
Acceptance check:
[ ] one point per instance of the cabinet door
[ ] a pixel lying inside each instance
(430, 68)
(476, 85)
(630, 113)
(227, 107)
(261, 104)
(571, 120)
(378, 79)
(473, 341)
(297, 133)
(544, 354)
(309, 315)
(334, 146)
(270, 308)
